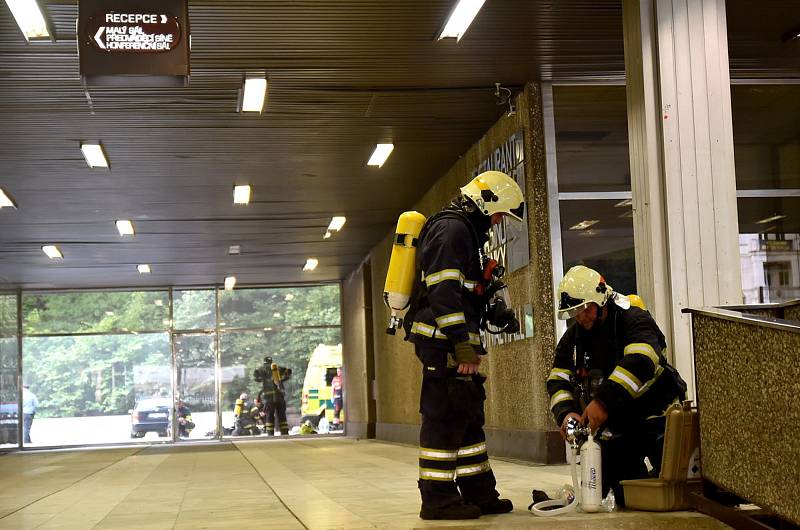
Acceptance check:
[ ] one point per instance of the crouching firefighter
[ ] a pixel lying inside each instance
(244, 421)
(610, 372)
(447, 308)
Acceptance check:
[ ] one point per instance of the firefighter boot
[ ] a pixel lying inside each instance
(458, 510)
(496, 506)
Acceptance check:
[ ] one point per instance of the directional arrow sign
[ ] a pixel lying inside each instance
(164, 19)
(98, 37)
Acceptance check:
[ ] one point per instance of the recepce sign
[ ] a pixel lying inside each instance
(134, 32)
(134, 42)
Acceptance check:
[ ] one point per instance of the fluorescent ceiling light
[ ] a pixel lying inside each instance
(234, 250)
(94, 154)
(125, 227)
(583, 225)
(770, 219)
(380, 154)
(311, 264)
(52, 252)
(241, 194)
(254, 94)
(336, 224)
(623, 204)
(460, 19)
(5, 200)
(29, 19)
(327, 235)
(144, 269)
(230, 281)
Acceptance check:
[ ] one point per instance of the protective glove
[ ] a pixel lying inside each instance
(465, 353)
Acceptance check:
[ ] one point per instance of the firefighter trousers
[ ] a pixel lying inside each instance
(276, 407)
(453, 462)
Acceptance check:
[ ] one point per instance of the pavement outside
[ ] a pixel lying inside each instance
(312, 483)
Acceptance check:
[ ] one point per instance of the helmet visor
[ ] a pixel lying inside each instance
(518, 212)
(568, 306)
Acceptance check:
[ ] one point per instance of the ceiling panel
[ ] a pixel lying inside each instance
(343, 76)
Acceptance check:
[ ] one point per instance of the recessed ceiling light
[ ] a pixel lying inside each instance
(583, 225)
(234, 250)
(311, 264)
(460, 19)
(770, 219)
(52, 252)
(623, 204)
(125, 227)
(336, 224)
(94, 154)
(144, 269)
(230, 281)
(5, 200)
(241, 194)
(29, 19)
(380, 154)
(254, 93)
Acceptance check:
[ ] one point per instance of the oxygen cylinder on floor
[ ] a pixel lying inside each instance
(591, 477)
(401, 274)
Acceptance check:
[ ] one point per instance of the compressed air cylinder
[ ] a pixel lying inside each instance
(637, 301)
(401, 274)
(591, 477)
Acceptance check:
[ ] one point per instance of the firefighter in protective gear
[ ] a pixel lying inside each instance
(610, 372)
(273, 394)
(443, 323)
(244, 424)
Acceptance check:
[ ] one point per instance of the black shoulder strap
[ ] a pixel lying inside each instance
(418, 291)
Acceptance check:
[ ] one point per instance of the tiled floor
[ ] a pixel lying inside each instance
(300, 483)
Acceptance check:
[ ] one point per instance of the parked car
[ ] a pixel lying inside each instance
(8, 422)
(151, 415)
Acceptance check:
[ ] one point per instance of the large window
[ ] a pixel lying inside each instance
(119, 366)
(766, 130)
(9, 392)
(96, 367)
(594, 184)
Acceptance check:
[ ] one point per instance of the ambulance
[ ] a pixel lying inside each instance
(317, 397)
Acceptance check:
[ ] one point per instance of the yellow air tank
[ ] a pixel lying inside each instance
(637, 301)
(402, 267)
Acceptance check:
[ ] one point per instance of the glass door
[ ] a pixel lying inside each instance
(196, 386)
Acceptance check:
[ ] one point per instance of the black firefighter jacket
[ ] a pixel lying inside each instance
(624, 358)
(449, 310)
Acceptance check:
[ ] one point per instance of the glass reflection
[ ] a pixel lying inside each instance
(196, 403)
(605, 245)
(99, 388)
(280, 382)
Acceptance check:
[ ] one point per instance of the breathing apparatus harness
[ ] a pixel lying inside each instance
(496, 312)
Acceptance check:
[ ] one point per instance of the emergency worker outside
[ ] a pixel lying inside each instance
(610, 371)
(449, 306)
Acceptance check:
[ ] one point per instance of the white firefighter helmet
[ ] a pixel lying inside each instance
(578, 288)
(243, 396)
(495, 192)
